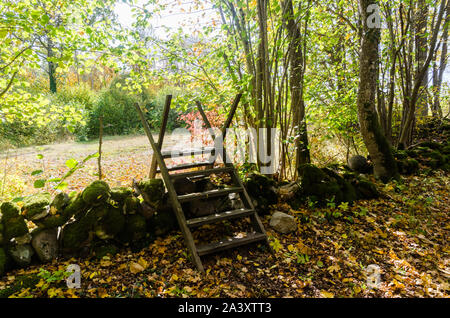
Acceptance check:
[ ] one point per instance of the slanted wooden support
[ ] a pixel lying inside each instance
(256, 221)
(176, 206)
(162, 131)
(158, 157)
(225, 127)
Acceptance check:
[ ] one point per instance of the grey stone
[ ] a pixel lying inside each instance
(45, 244)
(283, 223)
(359, 164)
(21, 254)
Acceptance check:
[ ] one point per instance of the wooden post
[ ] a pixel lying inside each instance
(256, 221)
(176, 206)
(162, 131)
(100, 140)
(226, 125)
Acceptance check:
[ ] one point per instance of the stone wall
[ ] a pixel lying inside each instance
(97, 220)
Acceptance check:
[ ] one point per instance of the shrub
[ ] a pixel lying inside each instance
(64, 114)
(116, 106)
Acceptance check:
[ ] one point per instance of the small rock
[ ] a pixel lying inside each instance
(359, 164)
(21, 254)
(36, 206)
(45, 244)
(283, 223)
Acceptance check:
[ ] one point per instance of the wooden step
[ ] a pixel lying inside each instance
(190, 152)
(217, 217)
(208, 194)
(187, 166)
(200, 173)
(229, 243)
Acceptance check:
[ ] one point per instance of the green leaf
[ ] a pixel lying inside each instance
(3, 33)
(71, 163)
(36, 172)
(45, 19)
(40, 156)
(39, 183)
(62, 186)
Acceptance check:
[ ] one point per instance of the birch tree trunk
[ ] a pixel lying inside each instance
(385, 166)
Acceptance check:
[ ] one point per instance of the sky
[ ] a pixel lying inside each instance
(176, 15)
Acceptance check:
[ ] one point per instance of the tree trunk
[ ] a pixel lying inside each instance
(421, 50)
(438, 73)
(385, 166)
(411, 99)
(296, 84)
(51, 67)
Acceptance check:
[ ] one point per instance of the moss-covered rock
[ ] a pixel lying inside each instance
(366, 189)
(131, 205)
(317, 185)
(74, 235)
(400, 154)
(348, 192)
(407, 166)
(61, 215)
(2, 261)
(14, 227)
(9, 210)
(2, 240)
(430, 144)
(134, 230)
(96, 193)
(111, 224)
(52, 221)
(103, 250)
(162, 222)
(36, 206)
(119, 194)
(262, 191)
(77, 233)
(76, 207)
(153, 191)
(60, 201)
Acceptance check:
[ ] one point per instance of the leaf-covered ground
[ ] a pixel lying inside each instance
(406, 234)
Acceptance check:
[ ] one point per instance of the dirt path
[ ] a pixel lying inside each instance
(123, 158)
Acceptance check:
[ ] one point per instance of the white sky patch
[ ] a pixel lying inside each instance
(178, 14)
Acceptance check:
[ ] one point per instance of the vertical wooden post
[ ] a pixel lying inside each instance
(162, 131)
(100, 141)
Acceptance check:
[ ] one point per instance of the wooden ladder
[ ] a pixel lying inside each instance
(258, 234)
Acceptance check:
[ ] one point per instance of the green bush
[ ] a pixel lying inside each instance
(64, 115)
(116, 106)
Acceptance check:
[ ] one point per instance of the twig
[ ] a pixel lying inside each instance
(100, 137)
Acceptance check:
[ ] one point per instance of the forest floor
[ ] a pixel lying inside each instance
(405, 233)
